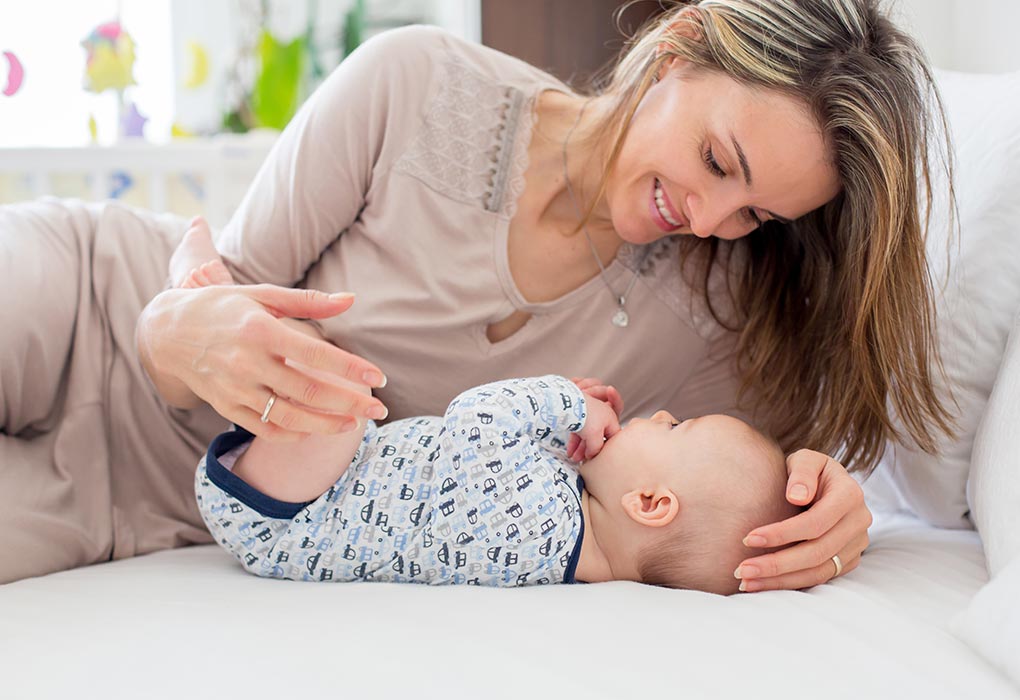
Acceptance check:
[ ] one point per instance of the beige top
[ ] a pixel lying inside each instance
(398, 180)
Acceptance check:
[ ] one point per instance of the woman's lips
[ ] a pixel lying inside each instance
(657, 217)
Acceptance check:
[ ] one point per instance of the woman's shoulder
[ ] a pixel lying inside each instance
(470, 142)
(425, 49)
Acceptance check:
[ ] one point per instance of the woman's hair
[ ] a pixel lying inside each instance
(834, 311)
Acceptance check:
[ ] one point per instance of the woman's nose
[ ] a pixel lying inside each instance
(712, 217)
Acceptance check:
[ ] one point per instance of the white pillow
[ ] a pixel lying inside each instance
(991, 623)
(993, 489)
(981, 293)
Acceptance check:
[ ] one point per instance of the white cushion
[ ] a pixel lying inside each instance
(981, 292)
(994, 485)
(991, 623)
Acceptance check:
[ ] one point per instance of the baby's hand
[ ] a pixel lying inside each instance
(207, 274)
(602, 391)
(602, 423)
(195, 262)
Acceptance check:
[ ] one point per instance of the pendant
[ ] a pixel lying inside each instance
(621, 319)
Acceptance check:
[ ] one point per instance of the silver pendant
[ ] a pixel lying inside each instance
(621, 319)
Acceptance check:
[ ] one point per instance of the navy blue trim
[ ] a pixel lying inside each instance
(235, 486)
(575, 556)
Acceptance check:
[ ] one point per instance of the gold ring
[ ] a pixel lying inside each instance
(268, 408)
(839, 565)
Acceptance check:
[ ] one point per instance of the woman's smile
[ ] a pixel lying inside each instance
(664, 207)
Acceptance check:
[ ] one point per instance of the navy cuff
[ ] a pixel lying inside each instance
(569, 576)
(235, 486)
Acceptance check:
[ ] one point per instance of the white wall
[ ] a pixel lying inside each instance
(966, 35)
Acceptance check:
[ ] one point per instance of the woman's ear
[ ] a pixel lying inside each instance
(652, 508)
(687, 25)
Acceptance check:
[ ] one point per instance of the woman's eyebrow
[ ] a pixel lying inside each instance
(746, 169)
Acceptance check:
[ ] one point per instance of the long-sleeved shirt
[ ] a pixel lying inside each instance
(483, 495)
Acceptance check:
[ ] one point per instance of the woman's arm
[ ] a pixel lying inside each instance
(224, 345)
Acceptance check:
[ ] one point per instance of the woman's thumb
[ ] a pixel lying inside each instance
(301, 303)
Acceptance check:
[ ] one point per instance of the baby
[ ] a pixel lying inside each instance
(521, 482)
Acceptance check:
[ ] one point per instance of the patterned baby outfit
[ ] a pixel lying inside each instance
(484, 495)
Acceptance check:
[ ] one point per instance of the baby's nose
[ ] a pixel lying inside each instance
(663, 417)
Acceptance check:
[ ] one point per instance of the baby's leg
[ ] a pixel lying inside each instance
(302, 471)
(195, 262)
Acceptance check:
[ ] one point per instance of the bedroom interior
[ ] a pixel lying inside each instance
(933, 611)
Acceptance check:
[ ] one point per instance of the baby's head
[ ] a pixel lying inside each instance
(676, 499)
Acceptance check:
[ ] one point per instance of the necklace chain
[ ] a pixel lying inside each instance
(620, 318)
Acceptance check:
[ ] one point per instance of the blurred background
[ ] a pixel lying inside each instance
(173, 104)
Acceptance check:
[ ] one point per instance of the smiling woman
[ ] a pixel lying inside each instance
(435, 179)
(807, 124)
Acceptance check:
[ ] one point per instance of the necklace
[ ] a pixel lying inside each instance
(620, 319)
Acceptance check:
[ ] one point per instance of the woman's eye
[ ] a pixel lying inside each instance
(711, 164)
(753, 217)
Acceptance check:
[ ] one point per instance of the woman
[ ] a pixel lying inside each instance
(487, 217)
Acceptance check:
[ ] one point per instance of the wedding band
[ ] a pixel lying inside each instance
(839, 565)
(268, 408)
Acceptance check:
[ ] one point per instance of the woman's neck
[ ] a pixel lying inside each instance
(560, 117)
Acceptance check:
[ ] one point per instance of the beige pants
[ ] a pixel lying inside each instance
(93, 465)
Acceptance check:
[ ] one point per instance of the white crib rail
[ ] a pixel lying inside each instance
(226, 164)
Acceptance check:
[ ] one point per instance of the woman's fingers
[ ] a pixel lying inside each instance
(319, 394)
(843, 538)
(296, 418)
(298, 303)
(261, 331)
(805, 467)
(849, 556)
(837, 495)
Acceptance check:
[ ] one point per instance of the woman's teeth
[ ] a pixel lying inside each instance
(660, 203)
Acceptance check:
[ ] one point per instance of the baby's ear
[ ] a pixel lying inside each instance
(651, 507)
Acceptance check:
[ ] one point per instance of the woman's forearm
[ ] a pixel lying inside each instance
(149, 332)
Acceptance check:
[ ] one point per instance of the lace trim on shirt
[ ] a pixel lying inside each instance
(473, 146)
(659, 264)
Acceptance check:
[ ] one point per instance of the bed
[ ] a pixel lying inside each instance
(190, 623)
(932, 612)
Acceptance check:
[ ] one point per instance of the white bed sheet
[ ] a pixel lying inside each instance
(190, 623)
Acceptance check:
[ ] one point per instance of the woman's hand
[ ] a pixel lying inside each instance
(835, 524)
(227, 346)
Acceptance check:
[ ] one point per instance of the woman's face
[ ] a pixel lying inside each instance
(709, 156)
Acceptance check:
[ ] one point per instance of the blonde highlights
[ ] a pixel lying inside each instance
(835, 311)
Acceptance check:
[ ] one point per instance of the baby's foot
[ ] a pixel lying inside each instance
(196, 263)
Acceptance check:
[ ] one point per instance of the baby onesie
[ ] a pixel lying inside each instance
(484, 495)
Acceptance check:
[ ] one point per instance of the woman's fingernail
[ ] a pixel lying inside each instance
(374, 379)
(736, 573)
(754, 541)
(749, 571)
(378, 412)
(341, 296)
(798, 491)
(743, 587)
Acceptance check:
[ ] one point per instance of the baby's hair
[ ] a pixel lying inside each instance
(712, 530)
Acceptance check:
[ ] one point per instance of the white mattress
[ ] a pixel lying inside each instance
(190, 623)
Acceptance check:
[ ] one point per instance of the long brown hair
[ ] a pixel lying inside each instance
(835, 311)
